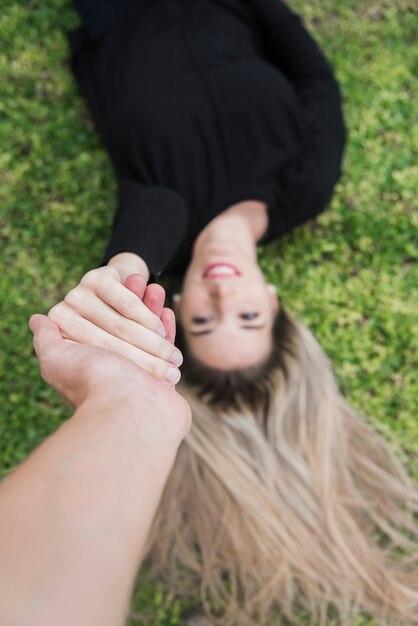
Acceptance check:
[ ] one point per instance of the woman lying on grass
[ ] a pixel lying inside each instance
(223, 121)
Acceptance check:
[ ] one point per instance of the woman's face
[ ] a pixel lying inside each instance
(227, 310)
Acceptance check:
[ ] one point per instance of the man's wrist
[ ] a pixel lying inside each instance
(128, 263)
(133, 405)
(123, 398)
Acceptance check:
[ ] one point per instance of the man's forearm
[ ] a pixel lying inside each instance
(75, 515)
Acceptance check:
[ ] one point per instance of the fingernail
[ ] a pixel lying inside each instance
(161, 331)
(172, 376)
(176, 358)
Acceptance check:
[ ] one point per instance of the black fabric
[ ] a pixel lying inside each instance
(97, 14)
(202, 103)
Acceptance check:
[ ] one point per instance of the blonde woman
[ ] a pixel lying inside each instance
(223, 120)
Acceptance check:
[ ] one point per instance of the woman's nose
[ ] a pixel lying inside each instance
(221, 290)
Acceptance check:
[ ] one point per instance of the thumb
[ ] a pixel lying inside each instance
(34, 321)
(45, 333)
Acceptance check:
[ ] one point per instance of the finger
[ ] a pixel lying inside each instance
(34, 321)
(76, 328)
(45, 334)
(137, 284)
(154, 298)
(79, 304)
(126, 303)
(169, 321)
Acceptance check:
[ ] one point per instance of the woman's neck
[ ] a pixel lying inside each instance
(239, 227)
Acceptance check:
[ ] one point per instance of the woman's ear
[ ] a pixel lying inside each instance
(176, 297)
(273, 295)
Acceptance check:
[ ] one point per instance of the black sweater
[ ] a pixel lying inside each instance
(201, 104)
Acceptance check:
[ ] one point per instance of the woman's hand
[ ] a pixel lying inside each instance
(126, 317)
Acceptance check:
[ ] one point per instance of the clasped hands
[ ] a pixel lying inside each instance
(124, 316)
(109, 341)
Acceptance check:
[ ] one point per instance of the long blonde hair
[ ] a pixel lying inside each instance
(285, 503)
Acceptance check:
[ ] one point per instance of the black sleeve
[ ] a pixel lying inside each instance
(294, 52)
(150, 221)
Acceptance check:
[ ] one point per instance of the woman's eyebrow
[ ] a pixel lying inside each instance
(197, 333)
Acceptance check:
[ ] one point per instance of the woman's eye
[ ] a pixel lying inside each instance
(248, 316)
(200, 320)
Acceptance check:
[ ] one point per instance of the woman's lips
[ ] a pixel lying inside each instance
(220, 270)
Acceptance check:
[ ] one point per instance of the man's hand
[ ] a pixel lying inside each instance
(80, 372)
(122, 315)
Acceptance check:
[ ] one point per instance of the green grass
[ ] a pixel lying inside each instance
(351, 276)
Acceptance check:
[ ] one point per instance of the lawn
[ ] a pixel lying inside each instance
(351, 276)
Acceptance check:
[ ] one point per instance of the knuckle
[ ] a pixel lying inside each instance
(99, 277)
(158, 368)
(129, 303)
(123, 331)
(112, 272)
(89, 278)
(164, 348)
(72, 298)
(136, 310)
(57, 312)
(101, 281)
(150, 320)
